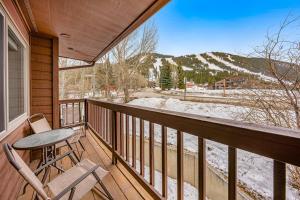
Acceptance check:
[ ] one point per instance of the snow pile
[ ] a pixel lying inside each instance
(185, 68)
(254, 171)
(210, 65)
(240, 69)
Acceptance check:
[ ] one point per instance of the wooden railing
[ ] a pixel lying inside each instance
(72, 112)
(110, 123)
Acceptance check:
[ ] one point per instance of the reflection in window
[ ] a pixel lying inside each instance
(16, 76)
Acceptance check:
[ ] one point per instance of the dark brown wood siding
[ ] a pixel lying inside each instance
(44, 77)
(10, 180)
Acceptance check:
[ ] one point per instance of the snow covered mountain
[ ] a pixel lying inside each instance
(214, 66)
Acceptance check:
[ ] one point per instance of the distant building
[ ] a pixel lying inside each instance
(190, 84)
(231, 83)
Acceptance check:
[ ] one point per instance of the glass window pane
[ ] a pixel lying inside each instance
(2, 122)
(16, 76)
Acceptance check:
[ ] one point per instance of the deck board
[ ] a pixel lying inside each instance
(117, 184)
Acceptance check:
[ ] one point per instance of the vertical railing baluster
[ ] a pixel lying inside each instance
(86, 113)
(79, 112)
(107, 126)
(133, 142)
(151, 153)
(110, 133)
(96, 119)
(118, 119)
(73, 113)
(105, 123)
(114, 135)
(67, 118)
(122, 134)
(232, 164)
(127, 138)
(180, 157)
(142, 148)
(279, 179)
(164, 162)
(201, 168)
(59, 112)
(102, 123)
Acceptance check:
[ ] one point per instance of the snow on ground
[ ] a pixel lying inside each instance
(253, 170)
(240, 69)
(171, 61)
(210, 65)
(190, 192)
(185, 68)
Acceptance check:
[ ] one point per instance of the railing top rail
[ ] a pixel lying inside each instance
(64, 101)
(281, 144)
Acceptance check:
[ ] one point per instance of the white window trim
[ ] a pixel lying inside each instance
(15, 123)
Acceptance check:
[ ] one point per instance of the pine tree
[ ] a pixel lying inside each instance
(180, 73)
(165, 77)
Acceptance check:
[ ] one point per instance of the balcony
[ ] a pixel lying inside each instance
(121, 138)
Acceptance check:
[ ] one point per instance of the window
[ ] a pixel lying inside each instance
(15, 76)
(2, 78)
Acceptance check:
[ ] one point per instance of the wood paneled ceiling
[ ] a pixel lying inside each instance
(87, 29)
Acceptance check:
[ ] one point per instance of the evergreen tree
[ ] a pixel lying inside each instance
(180, 73)
(165, 77)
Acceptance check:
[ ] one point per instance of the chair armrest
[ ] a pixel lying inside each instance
(75, 183)
(53, 161)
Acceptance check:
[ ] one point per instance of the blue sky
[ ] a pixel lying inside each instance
(234, 26)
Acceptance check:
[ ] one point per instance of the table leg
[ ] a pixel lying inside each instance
(69, 145)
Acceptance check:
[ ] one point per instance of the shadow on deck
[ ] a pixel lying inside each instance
(117, 181)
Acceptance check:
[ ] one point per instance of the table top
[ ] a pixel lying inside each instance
(44, 139)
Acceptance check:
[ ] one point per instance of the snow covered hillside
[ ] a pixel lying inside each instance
(216, 64)
(254, 172)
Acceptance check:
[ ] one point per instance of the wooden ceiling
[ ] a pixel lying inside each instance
(87, 29)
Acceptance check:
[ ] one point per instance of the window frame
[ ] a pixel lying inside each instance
(10, 126)
(4, 74)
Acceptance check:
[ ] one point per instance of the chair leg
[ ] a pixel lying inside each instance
(105, 190)
(108, 195)
(81, 145)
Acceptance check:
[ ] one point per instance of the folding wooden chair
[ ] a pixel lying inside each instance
(72, 184)
(39, 123)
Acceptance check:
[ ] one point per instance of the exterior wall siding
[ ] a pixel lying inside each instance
(11, 181)
(44, 78)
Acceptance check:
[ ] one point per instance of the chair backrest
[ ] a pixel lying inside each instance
(39, 123)
(23, 169)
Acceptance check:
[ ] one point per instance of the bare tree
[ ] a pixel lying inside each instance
(278, 103)
(130, 57)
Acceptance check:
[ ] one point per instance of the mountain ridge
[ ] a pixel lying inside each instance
(210, 67)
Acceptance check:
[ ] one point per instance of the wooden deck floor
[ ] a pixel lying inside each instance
(116, 182)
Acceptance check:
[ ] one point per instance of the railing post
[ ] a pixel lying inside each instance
(114, 136)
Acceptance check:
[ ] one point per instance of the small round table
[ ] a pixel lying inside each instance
(45, 140)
